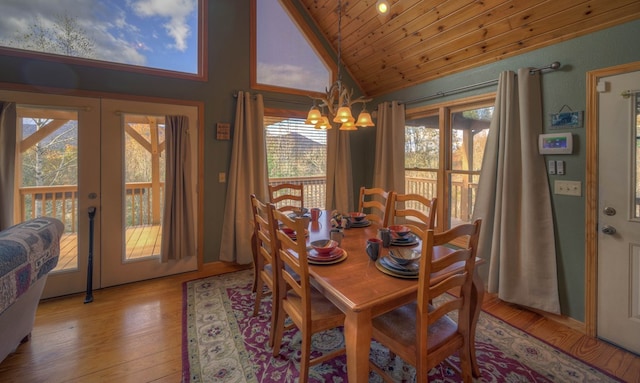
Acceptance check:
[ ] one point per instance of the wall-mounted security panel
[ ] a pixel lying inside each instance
(555, 143)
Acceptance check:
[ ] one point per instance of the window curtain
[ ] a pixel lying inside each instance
(178, 226)
(514, 201)
(247, 175)
(7, 162)
(389, 155)
(339, 176)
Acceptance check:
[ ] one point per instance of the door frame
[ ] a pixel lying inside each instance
(591, 192)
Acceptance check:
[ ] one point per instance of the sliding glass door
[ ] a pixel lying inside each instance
(444, 146)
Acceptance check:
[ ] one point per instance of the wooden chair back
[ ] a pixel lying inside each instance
(413, 210)
(375, 203)
(292, 255)
(423, 333)
(307, 308)
(287, 196)
(429, 312)
(265, 270)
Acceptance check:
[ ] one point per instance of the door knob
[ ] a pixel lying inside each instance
(609, 230)
(609, 210)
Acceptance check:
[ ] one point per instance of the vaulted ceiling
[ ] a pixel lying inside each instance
(422, 40)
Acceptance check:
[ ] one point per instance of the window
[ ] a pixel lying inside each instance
(451, 174)
(139, 33)
(297, 153)
(285, 54)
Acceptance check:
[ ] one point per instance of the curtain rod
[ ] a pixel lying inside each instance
(553, 66)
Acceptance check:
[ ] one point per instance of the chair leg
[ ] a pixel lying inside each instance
(305, 357)
(465, 365)
(275, 307)
(259, 295)
(279, 329)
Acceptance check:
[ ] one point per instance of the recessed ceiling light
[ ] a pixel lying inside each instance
(382, 6)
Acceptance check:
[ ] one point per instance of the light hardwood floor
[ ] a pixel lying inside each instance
(133, 333)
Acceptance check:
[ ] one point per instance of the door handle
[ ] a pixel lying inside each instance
(609, 230)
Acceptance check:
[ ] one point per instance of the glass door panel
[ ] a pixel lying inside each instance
(469, 131)
(144, 185)
(48, 173)
(422, 156)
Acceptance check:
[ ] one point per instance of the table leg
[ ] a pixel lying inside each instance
(477, 295)
(357, 336)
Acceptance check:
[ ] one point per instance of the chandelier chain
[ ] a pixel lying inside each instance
(339, 39)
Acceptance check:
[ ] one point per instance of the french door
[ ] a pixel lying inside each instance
(75, 154)
(133, 153)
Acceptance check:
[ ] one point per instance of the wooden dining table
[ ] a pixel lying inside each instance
(358, 288)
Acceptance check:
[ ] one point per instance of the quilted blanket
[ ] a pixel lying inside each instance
(28, 251)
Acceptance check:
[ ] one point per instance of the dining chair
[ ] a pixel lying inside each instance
(422, 333)
(287, 196)
(412, 210)
(375, 203)
(307, 308)
(265, 273)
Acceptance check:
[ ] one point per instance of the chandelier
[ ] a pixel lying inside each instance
(338, 100)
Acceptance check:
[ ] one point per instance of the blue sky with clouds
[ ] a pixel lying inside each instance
(155, 33)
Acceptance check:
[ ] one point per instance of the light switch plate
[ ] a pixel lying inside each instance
(560, 167)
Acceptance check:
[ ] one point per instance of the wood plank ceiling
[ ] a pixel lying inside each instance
(422, 40)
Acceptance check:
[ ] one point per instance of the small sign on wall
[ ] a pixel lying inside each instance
(223, 131)
(566, 120)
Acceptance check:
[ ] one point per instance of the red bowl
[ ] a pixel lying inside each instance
(400, 230)
(357, 216)
(324, 246)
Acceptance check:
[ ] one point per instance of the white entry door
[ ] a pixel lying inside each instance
(619, 211)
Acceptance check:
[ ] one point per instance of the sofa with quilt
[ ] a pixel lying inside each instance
(28, 251)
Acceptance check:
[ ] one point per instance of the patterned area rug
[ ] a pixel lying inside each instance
(223, 342)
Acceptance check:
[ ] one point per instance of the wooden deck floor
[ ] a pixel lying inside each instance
(141, 242)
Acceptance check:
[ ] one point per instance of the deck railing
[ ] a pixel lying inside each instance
(61, 202)
(314, 189)
(417, 181)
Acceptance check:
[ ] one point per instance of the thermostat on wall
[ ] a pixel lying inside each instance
(555, 143)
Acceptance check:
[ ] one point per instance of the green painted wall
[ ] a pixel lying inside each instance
(229, 64)
(567, 86)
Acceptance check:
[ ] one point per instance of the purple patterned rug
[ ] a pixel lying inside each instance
(223, 342)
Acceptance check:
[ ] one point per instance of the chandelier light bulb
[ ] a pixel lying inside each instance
(323, 124)
(314, 116)
(364, 119)
(349, 125)
(343, 115)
